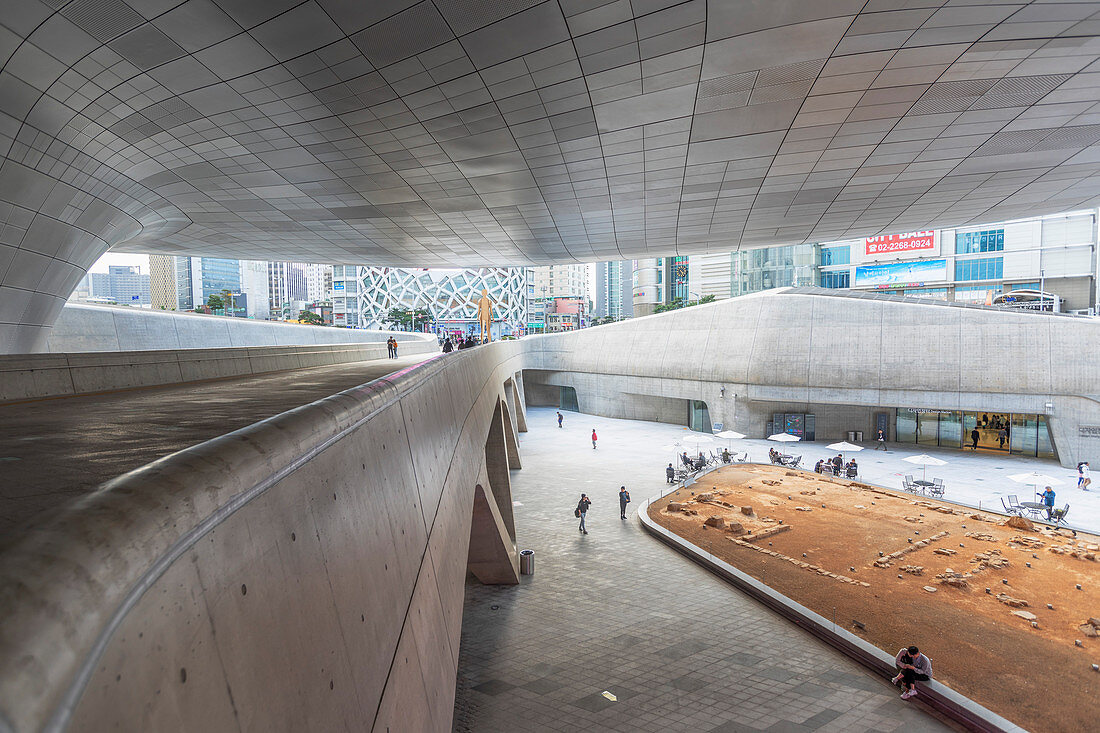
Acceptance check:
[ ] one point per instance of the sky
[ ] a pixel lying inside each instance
(112, 258)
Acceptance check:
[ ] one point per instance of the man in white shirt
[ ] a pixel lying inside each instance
(1083, 479)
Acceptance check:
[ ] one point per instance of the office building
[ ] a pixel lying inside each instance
(318, 282)
(121, 285)
(286, 282)
(614, 290)
(365, 296)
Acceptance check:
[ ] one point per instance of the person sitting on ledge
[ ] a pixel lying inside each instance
(915, 667)
(818, 467)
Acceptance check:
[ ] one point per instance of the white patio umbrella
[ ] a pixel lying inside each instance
(729, 435)
(1036, 479)
(924, 461)
(784, 438)
(698, 439)
(845, 447)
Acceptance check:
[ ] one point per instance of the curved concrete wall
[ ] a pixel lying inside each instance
(105, 328)
(304, 573)
(815, 347)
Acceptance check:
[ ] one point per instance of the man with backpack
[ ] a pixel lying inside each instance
(624, 499)
(582, 511)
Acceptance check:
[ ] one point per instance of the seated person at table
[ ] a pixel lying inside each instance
(852, 469)
(685, 460)
(773, 455)
(818, 466)
(914, 667)
(725, 455)
(837, 463)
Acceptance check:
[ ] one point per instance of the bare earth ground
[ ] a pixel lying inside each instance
(1032, 674)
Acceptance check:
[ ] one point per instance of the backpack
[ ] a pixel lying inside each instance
(577, 512)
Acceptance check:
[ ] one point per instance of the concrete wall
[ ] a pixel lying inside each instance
(813, 347)
(304, 573)
(106, 328)
(33, 376)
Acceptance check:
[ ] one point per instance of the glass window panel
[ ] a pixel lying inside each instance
(1023, 434)
(1046, 445)
(906, 427)
(928, 428)
(951, 429)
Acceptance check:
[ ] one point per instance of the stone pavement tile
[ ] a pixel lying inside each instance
(817, 720)
(617, 610)
(493, 687)
(734, 726)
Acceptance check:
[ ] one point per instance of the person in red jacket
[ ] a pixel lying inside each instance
(593, 438)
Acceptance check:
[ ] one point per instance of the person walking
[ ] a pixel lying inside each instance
(448, 347)
(582, 511)
(914, 667)
(974, 435)
(1002, 436)
(881, 440)
(624, 499)
(593, 438)
(1048, 501)
(1083, 479)
(560, 418)
(670, 474)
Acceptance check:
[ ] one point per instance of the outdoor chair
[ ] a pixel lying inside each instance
(908, 483)
(1014, 503)
(1058, 516)
(1009, 509)
(936, 489)
(794, 462)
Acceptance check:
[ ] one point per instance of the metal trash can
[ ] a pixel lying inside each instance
(527, 562)
(851, 435)
(859, 436)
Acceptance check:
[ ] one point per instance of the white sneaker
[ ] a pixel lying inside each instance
(896, 680)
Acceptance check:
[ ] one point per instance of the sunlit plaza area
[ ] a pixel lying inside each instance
(549, 365)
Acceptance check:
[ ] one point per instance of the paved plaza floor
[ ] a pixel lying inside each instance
(617, 611)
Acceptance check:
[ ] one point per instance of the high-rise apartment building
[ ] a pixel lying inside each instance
(186, 283)
(163, 290)
(318, 283)
(554, 281)
(614, 290)
(122, 284)
(286, 283)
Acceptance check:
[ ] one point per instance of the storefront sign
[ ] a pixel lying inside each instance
(930, 411)
(901, 274)
(907, 242)
(1088, 431)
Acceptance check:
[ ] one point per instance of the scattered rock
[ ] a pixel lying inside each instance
(1089, 630)
(1094, 621)
(953, 579)
(984, 537)
(913, 569)
(808, 493)
(674, 506)
(803, 509)
(912, 519)
(747, 511)
(770, 482)
(1019, 523)
(790, 473)
(1010, 601)
(716, 522)
(944, 551)
(930, 589)
(1025, 615)
(735, 528)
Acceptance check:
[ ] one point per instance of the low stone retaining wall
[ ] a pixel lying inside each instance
(936, 695)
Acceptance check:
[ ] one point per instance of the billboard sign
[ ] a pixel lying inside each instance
(338, 286)
(889, 244)
(901, 274)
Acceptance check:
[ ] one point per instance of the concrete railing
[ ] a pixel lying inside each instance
(303, 573)
(935, 694)
(82, 327)
(34, 376)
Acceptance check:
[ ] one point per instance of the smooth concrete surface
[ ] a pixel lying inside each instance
(35, 376)
(459, 133)
(304, 572)
(747, 356)
(82, 327)
(616, 610)
(58, 450)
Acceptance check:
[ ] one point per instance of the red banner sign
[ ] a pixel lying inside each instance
(907, 242)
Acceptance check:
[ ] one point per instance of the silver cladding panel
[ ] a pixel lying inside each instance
(457, 132)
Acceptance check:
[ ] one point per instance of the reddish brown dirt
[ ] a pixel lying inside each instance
(1035, 677)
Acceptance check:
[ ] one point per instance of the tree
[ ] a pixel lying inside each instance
(399, 317)
(311, 318)
(227, 300)
(215, 301)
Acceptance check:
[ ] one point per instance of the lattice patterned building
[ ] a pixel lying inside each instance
(364, 296)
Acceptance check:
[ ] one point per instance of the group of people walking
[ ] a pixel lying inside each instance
(466, 343)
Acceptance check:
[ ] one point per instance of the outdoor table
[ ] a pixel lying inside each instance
(1034, 507)
(923, 484)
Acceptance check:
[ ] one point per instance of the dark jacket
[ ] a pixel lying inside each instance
(583, 505)
(624, 497)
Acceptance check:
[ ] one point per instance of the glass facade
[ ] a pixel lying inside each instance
(986, 268)
(836, 255)
(835, 279)
(773, 267)
(991, 240)
(1019, 434)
